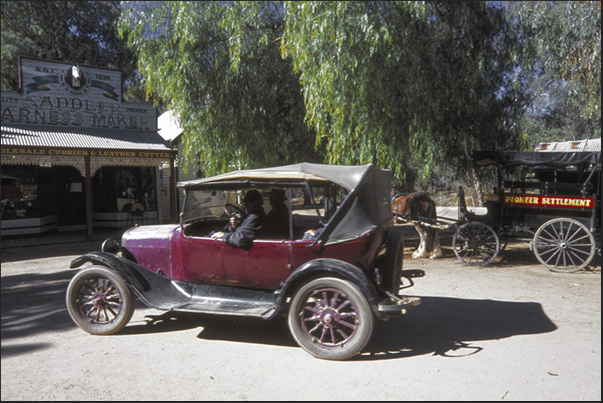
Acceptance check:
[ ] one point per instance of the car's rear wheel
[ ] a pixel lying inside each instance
(99, 301)
(330, 318)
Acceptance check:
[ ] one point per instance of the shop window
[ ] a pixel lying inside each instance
(116, 188)
(26, 192)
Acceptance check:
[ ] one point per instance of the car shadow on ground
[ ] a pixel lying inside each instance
(454, 327)
(217, 327)
(35, 303)
(450, 327)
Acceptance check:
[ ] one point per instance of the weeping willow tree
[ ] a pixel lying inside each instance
(414, 87)
(561, 54)
(410, 86)
(218, 66)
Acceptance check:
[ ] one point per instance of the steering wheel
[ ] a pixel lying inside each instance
(231, 210)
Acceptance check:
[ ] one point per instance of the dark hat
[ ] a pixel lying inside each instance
(278, 193)
(251, 196)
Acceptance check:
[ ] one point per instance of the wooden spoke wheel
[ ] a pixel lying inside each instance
(564, 245)
(476, 244)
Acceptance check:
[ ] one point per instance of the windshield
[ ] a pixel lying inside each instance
(310, 207)
(207, 204)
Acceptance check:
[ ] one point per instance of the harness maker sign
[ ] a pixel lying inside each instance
(549, 201)
(67, 95)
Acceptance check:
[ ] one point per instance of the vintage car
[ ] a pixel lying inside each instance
(331, 285)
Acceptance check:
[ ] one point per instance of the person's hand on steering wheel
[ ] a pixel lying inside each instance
(231, 210)
(236, 215)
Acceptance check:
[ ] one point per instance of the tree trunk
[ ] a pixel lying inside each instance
(477, 193)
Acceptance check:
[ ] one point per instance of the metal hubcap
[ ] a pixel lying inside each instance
(329, 318)
(100, 301)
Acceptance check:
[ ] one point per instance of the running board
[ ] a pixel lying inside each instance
(165, 294)
(254, 303)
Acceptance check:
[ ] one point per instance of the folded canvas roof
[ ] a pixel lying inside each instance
(347, 176)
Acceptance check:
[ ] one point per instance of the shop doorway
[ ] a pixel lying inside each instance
(71, 198)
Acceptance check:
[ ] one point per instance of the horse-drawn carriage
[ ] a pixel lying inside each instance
(550, 197)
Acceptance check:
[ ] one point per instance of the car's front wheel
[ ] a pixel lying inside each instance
(99, 301)
(330, 318)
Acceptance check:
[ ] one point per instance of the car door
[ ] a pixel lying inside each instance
(202, 259)
(265, 265)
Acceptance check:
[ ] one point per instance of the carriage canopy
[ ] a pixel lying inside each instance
(536, 158)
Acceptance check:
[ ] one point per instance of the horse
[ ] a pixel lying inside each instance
(419, 207)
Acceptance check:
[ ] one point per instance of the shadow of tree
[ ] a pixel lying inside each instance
(34, 303)
(8, 351)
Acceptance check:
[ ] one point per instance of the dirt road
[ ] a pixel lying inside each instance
(512, 331)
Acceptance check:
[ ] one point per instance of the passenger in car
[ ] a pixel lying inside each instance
(277, 219)
(312, 234)
(241, 235)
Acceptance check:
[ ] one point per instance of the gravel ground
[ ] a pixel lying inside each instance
(510, 331)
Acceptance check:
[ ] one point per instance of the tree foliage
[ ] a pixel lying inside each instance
(70, 31)
(218, 66)
(415, 87)
(410, 86)
(563, 40)
(560, 69)
(358, 90)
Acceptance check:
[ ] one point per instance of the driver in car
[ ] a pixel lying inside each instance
(240, 234)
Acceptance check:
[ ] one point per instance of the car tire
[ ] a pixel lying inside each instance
(99, 301)
(330, 318)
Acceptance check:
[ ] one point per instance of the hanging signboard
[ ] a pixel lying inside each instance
(63, 94)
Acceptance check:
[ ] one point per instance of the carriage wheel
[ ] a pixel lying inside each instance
(564, 245)
(476, 244)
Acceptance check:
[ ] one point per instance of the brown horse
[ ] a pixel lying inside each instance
(419, 207)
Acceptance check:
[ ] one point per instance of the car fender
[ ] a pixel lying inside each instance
(390, 263)
(324, 268)
(124, 267)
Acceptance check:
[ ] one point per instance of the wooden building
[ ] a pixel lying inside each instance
(75, 156)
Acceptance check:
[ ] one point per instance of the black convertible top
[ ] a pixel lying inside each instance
(535, 158)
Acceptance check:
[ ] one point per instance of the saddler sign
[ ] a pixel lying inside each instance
(75, 155)
(73, 96)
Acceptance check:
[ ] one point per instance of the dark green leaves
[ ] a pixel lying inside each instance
(218, 66)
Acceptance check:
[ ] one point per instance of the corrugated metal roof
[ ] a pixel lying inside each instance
(88, 138)
(581, 145)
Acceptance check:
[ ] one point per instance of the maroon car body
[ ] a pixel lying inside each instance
(331, 286)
